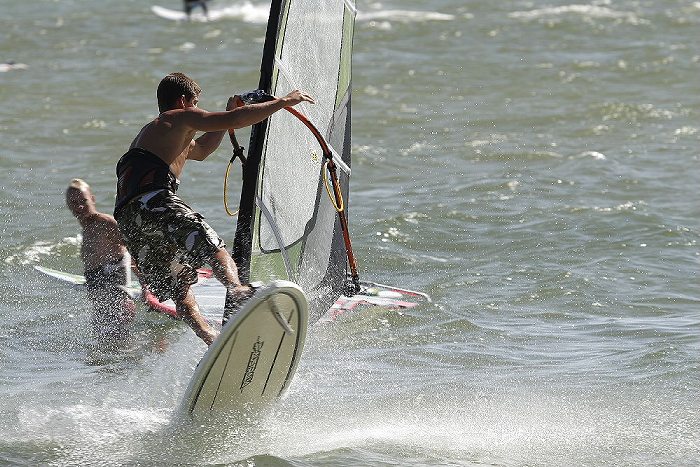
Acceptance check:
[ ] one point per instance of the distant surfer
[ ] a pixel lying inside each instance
(167, 239)
(190, 5)
(107, 263)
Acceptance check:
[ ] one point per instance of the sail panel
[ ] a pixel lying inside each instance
(295, 232)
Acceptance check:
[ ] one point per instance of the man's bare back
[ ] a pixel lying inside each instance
(102, 242)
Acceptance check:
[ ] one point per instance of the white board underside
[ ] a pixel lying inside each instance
(252, 361)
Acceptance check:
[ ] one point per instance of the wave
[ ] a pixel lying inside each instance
(252, 13)
(247, 11)
(39, 249)
(589, 11)
(11, 65)
(258, 14)
(404, 16)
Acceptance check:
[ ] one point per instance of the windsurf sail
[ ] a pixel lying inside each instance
(288, 228)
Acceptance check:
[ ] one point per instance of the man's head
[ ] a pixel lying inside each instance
(79, 198)
(174, 87)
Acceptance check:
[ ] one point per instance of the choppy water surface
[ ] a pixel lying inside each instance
(533, 165)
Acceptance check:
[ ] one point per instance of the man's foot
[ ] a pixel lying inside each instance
(210, 337)
(235, 298)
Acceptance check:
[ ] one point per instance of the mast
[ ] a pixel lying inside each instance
(242, 245)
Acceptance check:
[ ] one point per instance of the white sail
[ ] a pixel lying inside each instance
(288, 227)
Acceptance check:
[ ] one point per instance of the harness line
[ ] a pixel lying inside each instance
(237, 153)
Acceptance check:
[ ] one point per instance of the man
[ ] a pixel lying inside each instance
(166, 238)
(107, 263)
(191, 4)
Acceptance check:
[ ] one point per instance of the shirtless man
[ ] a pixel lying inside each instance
(167, 239)
(107, 263)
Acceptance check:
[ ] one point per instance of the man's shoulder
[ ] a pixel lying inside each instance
(105, 219)
(181, 120)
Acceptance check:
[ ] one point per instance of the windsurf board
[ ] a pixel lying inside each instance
(252, 361)
(210, 294)
(75, 279)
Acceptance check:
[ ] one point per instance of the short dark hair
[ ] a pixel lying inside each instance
(172, 87)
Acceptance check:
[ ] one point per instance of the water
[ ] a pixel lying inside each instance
(533, 165)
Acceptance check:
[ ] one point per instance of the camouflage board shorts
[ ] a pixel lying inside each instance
(168, 241)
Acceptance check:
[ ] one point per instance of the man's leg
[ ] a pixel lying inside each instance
(188, 310)
(113, 314)
(225, 270)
